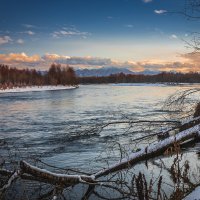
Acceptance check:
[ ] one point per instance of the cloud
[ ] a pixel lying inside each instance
(88, 60)
(189, 62)
(29, 32)
(29, 26)
(54, 57)
(96, 62)
(147, 1)
(22, 60)
(92, 61)
(110, 17)
(5, 40)
(70, 32)
(170, 66)
(129, 25)
(193, 57)
(18, 58)
(160, 11)
(20, 41)
(173, 36)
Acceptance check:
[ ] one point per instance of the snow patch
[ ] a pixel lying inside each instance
(37, 88)
(139, 84)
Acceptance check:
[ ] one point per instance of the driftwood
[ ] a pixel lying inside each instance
(59, 179)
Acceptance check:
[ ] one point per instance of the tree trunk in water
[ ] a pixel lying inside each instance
(151, 151)
(144, 154)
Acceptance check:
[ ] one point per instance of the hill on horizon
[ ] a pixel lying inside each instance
(107, 71)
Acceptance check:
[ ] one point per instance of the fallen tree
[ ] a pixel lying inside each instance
(151, 151)
(28, 171)
(57, 179)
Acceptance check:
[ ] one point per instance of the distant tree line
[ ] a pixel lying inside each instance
(56, 75)
(167, 77)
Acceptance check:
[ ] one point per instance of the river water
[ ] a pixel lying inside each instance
(49, 124)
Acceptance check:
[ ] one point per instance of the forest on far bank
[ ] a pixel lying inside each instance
(163, 77)
(58, 75)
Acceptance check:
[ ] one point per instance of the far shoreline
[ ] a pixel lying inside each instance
(38, 88)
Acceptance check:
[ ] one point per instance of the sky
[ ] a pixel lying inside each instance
(136, 34)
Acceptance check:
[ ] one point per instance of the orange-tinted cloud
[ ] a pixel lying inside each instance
(54, 57)
(188, 62)
(193, 57)
(19, 58)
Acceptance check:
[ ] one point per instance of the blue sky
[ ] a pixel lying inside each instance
(140, 32)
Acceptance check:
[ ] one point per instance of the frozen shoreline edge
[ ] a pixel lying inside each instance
(37, 89)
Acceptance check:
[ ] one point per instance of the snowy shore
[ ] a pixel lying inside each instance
(37, 88)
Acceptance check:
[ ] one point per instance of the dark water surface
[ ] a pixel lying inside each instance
(48, 124)
(45, 123)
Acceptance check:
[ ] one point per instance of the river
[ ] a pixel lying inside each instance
(48, 124)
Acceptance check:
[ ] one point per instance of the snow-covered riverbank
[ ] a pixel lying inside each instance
(37, 88)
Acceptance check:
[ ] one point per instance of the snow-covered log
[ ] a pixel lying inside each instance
(56, 179)
(150, 151)
(146, 153)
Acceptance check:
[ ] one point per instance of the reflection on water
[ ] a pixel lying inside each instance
(45, 123)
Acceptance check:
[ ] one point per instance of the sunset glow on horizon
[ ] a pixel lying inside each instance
(138, 35)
